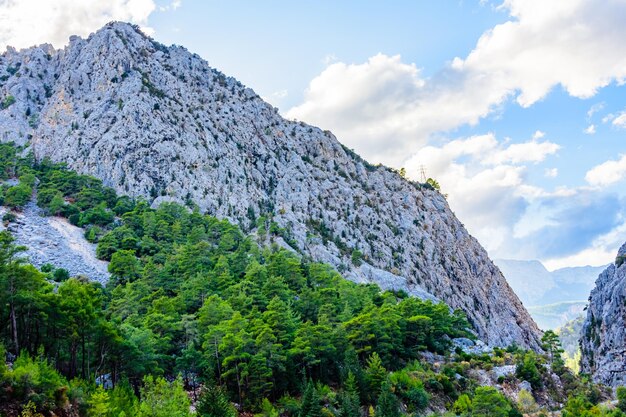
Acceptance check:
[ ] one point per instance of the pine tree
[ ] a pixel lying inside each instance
(388, 405)
(375, 375)
(213, 403)
(310, 406)
(350, 402)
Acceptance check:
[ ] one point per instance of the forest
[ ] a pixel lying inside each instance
(200, 318)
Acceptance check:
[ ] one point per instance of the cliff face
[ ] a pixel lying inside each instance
(603, 340)
(158, 122)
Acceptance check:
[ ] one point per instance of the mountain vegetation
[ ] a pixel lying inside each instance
(198, 312)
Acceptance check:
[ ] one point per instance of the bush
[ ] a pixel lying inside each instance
(18, 196)
(8, 217)
(35, 380)
(621, 398)
(8, 101)
(60, 275)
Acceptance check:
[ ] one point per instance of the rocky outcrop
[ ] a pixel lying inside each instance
(603, 341)
(158, 122)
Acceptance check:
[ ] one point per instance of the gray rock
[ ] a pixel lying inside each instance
(503, 371)
(525, 385)
(158, 122)
(603, 340)
(55, 241)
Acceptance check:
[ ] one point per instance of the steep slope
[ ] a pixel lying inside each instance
(158, 122)
(603, 341)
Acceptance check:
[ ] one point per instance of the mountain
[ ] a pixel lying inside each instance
(536, 286)
(158, 122)
(603, 342)
(552, 298)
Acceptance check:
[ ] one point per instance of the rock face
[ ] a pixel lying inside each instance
(603, 342)
(158, 122)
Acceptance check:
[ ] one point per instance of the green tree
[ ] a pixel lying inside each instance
(57, 204)
(552, 345)
(463, 405)
(162, 399)
(621, 398)
(528, 371)
(488, 402)
(310, 406)
(99, 403)
(214, 403)
(387, 404)
(375, 375)
(124, 266)
(350, 399)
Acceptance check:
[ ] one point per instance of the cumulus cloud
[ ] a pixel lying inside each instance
(486, 181)
(590, 130)
(385, 109)
(607, 173)
(371, 106)
(25, 23)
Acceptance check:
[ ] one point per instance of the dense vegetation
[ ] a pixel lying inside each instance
(196, 311)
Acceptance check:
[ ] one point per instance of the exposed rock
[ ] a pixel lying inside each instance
(471, 347)
(525, 385)
(55, 241)
(503, 371)
(158, 122)
(603, 342)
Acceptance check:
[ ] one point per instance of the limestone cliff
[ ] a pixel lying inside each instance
(158, 122)
(603, 340)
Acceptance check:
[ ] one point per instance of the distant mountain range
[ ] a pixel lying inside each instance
(552, 298)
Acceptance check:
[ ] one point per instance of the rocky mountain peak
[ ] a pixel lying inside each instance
(158, 122)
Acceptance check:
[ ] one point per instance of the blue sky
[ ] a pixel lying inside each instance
(515, 106)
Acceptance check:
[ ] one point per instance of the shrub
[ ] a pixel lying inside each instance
(18, 196)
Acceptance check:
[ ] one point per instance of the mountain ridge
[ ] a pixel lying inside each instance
(158, 122)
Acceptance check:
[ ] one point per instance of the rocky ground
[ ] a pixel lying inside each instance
(55, 241)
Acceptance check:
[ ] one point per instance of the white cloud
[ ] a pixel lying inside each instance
(619, 121)
(485, 181)
(370, 106)
(595, 109)
(590, 130)
(601, 251)
(607, 173)
(551, 172)
(538, 134)
(26, 23)
(385, 110)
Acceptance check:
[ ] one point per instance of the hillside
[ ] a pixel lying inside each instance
(158, 122)
(199, 319)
